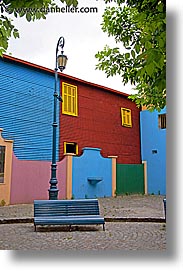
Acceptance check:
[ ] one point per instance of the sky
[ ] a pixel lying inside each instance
(83, 39)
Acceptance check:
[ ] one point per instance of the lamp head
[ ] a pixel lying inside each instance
(62, 61)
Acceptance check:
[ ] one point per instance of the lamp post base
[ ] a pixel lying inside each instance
(53, 194)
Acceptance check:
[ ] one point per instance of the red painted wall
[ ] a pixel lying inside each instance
(98, 124)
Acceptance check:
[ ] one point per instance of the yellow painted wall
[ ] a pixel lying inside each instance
(69, 157)
(113, 175)
(5, 187)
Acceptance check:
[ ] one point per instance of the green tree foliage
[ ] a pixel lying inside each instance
(31, 10)
(141, 27)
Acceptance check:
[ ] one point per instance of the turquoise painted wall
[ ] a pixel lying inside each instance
(153, 150)
(26, 110)
(91, 165)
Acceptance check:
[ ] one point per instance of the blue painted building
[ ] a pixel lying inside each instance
(26, 109)
(153, 149)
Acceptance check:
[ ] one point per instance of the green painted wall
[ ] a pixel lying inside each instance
(130, 179)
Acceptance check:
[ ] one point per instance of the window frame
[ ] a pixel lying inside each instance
(126, 114)
(162, 121)
(3, 163)
(71, 143)
(73, 98)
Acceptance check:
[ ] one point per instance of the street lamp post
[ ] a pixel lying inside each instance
(61, 61)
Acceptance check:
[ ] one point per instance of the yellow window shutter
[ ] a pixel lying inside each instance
(126, 117)
(70, 101)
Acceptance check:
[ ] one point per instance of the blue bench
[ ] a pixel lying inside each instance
(164, 203)
(67, 212)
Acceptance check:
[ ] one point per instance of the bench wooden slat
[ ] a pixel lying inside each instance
(70, 220)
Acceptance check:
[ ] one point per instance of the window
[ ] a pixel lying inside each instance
(2, 161)
(126, 117)
(69, 96)
(162, 121)
(70, 147)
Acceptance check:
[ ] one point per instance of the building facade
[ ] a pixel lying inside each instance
(153, 149)
(99, 117)
(90, 116)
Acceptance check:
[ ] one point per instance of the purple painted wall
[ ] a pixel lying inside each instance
(30, 180)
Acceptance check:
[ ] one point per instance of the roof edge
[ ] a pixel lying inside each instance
(33, 65)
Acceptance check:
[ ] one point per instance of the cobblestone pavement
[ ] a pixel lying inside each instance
(121, 206)
(117, 236)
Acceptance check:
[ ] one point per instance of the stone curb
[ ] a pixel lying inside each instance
(16, 220)
(127, 219)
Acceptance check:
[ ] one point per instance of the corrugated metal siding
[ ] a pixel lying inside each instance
(26, 110)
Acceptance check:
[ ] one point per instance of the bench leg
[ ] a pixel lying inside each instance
(103, 227)
(70, 227)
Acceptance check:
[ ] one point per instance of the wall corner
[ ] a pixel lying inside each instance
(144, 162)
(113, 158)
(5, 186)
(69, 159)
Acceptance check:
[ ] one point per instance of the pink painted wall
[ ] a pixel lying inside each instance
(30, 180)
